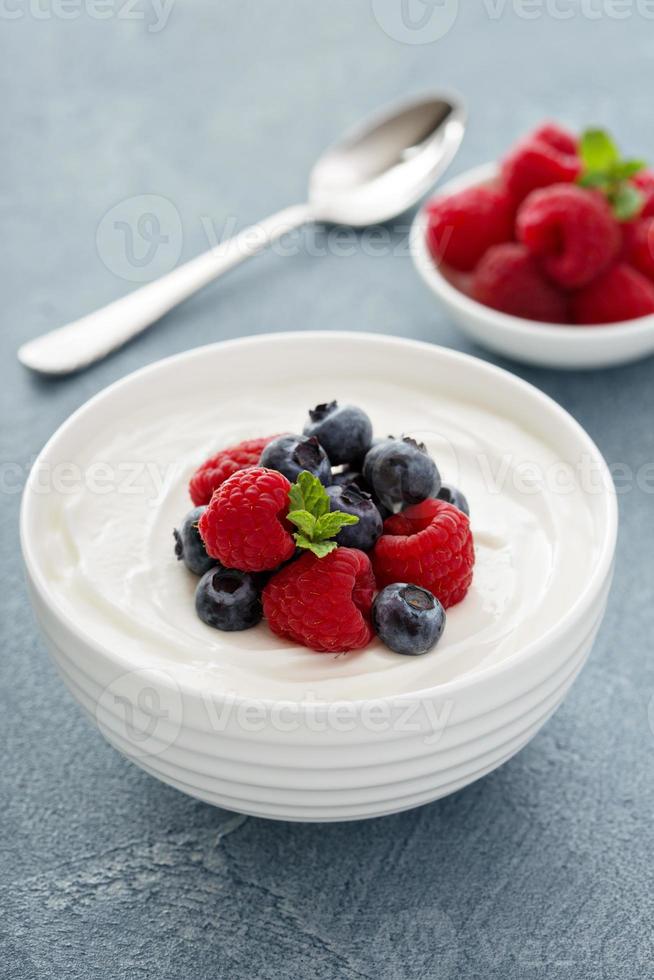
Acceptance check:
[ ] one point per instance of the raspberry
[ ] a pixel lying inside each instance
(508, 279)
(462, 226)
(639, 246)
(323, 603)
(628, 229)
(621, 293)
(557, 137)
(216, 469)
(429, 544)
(571, 230)
(534, 163)
(644, 181)
(244, 525)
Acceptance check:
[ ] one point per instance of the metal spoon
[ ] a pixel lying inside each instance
(375, 172)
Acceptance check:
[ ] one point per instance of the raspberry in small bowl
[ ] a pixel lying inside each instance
(541, 258)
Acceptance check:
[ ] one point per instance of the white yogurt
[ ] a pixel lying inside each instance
(111, 563)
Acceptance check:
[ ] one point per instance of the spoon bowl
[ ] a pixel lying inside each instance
(382, 167)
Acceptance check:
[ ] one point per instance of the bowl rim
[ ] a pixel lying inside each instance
(510, 324)
(592, 589)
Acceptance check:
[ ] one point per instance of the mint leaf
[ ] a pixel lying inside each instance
(627, 168)
(319, 548)
(330, 524)
(311, 515)
(605, 171)
(627, 201)
(304, 520)
(597, 150)
(308, 493)
(595, 178)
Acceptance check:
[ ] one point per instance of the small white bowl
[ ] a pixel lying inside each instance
(544, 344)
(314, 768)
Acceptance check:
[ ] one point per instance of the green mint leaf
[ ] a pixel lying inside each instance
(305, 521)
(329, 525)
(627, 201)
(322, 548)
(296, 500)
(308, 493)
(319, 548)
(309, 511)
(627, 168)
(594, 178)
(314, 534)
(605, 171)
(597, 150)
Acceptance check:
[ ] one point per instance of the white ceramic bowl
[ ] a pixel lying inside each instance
(312, 761)
(544, 344)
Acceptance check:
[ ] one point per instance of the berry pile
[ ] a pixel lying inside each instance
(564, 235)
(332, 536)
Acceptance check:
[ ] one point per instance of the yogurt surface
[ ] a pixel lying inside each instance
(109, 545)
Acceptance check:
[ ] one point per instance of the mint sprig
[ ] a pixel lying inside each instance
(605, 170)
(312, 517)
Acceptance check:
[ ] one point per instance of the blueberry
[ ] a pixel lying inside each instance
(349, 475)
(453, 496)
(291, 455)
(351, 500)
(344, 431)
(228, 600)
(189, 546)
(408, 619)
(400, 473)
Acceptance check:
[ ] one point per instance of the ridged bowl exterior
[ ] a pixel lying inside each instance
(310, 768)
(346, 776)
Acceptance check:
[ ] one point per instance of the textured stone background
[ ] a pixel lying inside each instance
(544, 868)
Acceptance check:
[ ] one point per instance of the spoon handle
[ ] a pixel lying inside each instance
(84, 341)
